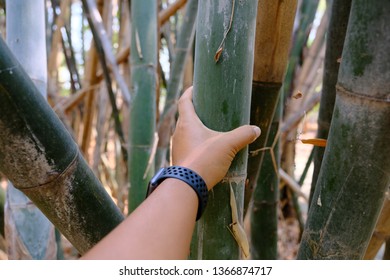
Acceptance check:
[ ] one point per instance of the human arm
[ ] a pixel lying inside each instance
(161, 227)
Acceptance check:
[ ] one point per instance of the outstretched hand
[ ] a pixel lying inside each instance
(207, 152)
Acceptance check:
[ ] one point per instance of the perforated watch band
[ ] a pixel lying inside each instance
(186, 175)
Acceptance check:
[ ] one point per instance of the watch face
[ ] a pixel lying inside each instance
(155, 179)
(154, 182)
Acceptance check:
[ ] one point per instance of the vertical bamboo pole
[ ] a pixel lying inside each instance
(355, 172)
(143, 109)
(222, 85)
(273, 38)
(334, 46)
(29, 234)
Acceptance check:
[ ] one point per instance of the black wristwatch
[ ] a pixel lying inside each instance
(186, 175)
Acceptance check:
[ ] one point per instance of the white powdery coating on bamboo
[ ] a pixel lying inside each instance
(23, 160)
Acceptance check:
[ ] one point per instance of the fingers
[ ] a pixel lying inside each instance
(242, 136)
(186, 107)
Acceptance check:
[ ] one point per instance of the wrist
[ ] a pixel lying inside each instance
(189, 177)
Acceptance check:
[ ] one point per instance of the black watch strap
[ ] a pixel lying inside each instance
(186, 175)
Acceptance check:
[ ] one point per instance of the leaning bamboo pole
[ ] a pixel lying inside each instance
(354, 176)
(224, 48)
(40, 158)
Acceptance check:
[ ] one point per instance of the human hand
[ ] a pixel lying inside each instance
(207, 152)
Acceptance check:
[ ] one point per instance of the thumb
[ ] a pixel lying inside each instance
(242, 136)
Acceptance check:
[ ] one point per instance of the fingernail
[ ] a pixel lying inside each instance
(257, 130)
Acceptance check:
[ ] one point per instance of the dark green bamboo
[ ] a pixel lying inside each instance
(274, 25)
(143, 109)
(183, 46)
(355, 172)
(39, 157)
(222, 100)
(264, 214)
(306, 16)
(334, 46)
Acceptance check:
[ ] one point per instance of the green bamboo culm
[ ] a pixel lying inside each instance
(144, 87)
(183, 46)
(307, 14)
(334, 46)
(40, 158)
(29, 234)
(224, 48)
(264, 214)
(354, 176)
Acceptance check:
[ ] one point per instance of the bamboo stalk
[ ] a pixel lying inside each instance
(143, 110)
(354, 176)
(273, 36)
(307, 13)
(381, 233)
(338, 23)
(28, 232)
(264, 211)
(48, 166)
(224, 49)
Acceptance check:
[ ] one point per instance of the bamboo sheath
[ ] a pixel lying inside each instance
(48, 166)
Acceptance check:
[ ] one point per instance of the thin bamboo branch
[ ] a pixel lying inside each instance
(101, 40)
(292, 184)
(92, 16)
(165, 14)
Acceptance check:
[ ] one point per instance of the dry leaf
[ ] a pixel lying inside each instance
(236, 228)
(315, 141)
(218, 54)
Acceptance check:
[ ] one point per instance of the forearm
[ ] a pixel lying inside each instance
(160, 228)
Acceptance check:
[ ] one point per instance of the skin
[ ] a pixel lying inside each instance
(161, 227)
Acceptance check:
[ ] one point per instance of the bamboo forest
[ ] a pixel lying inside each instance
(89, 94)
